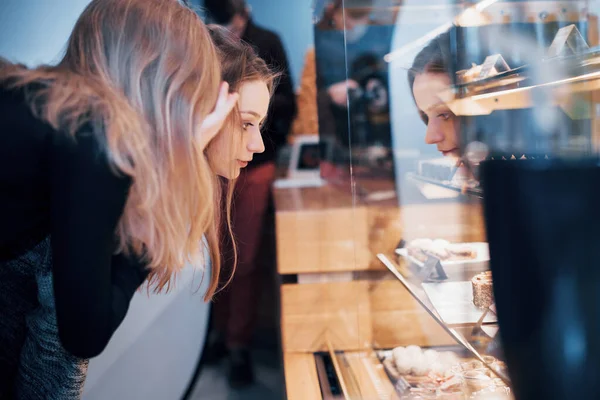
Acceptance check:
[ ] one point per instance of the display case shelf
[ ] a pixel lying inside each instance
(479, 340)
(470, 191)
(560, 81)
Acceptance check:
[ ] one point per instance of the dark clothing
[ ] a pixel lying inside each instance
(61, 189)
(283, 103)
(338, 59)
(235, 308)
(33, 362)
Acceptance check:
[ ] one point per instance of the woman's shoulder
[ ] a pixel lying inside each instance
(17, 118)
(25, 128)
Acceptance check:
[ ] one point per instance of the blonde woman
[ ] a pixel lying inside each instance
(104, 184)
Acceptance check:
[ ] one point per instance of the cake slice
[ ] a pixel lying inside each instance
(483, 295)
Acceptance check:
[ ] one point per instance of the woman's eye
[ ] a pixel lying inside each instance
(246, 125)
(444, 116)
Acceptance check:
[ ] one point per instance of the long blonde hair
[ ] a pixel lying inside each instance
(148, 73)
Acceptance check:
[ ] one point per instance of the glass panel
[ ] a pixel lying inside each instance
(465, 131)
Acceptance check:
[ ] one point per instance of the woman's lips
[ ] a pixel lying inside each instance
(242, 164)
(449, 152)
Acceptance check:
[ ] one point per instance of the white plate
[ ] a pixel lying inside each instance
(483, 255)
(454, 303)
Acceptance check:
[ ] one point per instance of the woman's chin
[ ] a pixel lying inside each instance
(229, 174)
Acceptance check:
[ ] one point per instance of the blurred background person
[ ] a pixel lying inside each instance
(235, 308)
(334, 86)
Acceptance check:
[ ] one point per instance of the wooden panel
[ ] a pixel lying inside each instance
(311, 313)
(593, 35)
(398, 320)
(324, 230)
(301, 380)
(385, 231)
(317, 241)
(312, 199)
(456, 222)
(356, 315)
(370, 376)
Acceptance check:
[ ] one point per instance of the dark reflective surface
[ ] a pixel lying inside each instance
(543, 225)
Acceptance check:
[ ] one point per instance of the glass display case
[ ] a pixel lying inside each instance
(450, 254)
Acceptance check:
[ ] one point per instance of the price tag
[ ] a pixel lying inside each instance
(432, 270)
(401, 244)
(493, 65)
(570, 38)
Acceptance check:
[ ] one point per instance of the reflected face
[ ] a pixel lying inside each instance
(442, 124)
(233, 149)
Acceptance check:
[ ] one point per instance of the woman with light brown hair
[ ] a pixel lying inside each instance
(234, 308)
(104, 184)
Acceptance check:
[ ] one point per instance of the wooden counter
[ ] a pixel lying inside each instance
(301, 378)
(320, 230)
(327, 230)
(327, 233)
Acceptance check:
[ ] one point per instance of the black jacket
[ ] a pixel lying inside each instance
(283, 104)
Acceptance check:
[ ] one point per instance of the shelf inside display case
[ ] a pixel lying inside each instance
(480, 340)
(560, 79)
(444, 372)
(475, 191)
(516, 96)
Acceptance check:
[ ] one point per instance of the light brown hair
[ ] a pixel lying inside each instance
(148, 71)
(239, 64)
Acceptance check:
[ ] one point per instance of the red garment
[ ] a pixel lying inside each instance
(235, 307)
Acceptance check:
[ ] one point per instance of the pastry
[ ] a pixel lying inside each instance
(420, 366)
(431, 356)
(421, 249)
(462, 252)
(439, 249)
(417, 249)
(483, 295)
(398, 353)
(413, 351)
(469, 75)
(413, 361)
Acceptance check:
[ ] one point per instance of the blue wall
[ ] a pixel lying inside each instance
(36, 31)
(292, 20)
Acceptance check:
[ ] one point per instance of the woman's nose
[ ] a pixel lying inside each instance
(433, 134)
(256, 144)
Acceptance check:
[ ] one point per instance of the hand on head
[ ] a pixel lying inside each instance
(212, 124)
